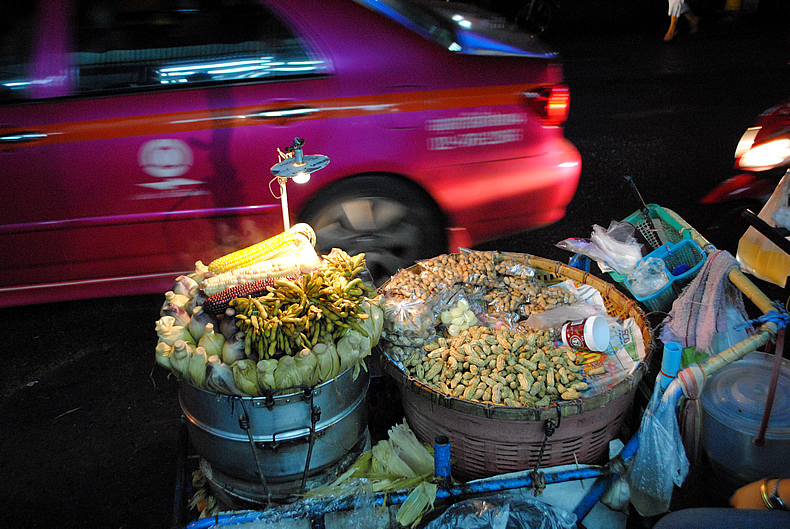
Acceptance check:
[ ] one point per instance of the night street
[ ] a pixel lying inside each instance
(90, 425)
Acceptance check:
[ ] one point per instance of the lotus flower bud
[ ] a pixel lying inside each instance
(211, 341)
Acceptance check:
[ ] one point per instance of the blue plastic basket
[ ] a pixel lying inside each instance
(682, 257)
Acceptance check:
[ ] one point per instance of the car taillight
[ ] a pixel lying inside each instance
(551, 103)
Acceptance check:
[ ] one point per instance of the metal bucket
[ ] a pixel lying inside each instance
(289, 437)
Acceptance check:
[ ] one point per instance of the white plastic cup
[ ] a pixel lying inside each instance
(670, 363)
(590, 333)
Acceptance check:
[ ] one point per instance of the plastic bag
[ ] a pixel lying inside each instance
(502, 511)
(557, 316)
(649, 276)
(759, 256)
(661, 462)
(614, 248)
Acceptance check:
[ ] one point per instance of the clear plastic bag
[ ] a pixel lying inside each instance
(649, 276)
(503, 511)
(614, 248)
(661, 461)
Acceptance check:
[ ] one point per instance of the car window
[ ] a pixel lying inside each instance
(130, 46)
(16, 48)
(172, 43)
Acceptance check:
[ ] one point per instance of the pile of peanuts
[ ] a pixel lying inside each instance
(509, 367)
(500, 367)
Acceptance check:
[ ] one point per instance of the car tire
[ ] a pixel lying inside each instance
(393, 222)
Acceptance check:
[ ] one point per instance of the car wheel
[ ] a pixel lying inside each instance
(393, 223)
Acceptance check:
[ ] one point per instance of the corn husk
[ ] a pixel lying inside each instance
(163, 352)
(406, 445)
(245, 374)
(179, 358)
(286, 375)
(179, 314)
(385, 472)
(418, 503)
(170, 333)
(219, 377)
(185, 285)
(265, 370)
(233, 349)
(196, 370)
(198, 322)
(212, 341)
(328, 362)
(227, 325)
(201, 271)
(374, 323)
(307, 364)
(351, 349)
(176, 299)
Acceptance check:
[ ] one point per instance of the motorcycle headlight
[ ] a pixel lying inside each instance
(766, 156)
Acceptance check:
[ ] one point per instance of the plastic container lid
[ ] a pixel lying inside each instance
(735, 396)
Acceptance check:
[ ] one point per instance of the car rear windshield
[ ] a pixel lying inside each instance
(418, 17)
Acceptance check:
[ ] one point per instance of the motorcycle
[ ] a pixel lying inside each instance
(763, 156)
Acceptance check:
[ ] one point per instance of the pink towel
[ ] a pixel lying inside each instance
(701, 310)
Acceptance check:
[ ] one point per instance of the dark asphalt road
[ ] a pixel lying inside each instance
(90, 427)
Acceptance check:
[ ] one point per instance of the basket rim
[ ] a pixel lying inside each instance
(625, 306)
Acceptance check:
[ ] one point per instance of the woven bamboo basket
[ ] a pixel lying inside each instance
(488, 440)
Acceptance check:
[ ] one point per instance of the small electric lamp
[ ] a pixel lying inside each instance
(296, 166)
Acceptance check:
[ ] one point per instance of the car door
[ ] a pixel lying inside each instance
(137, 137)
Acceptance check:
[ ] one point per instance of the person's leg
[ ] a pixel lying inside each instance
(673, 29)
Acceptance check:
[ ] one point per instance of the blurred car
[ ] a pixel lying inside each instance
(137, 137)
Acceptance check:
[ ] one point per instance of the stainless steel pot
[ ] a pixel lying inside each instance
(238, 434)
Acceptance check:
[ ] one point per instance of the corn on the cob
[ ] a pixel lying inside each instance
(273, 247)
(217, 303)
(281, 267)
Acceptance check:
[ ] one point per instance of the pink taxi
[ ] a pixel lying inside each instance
(137, 138)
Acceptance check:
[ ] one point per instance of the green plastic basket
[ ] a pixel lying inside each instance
(677, 248)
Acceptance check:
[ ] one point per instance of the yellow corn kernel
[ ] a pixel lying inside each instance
(276, 246)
